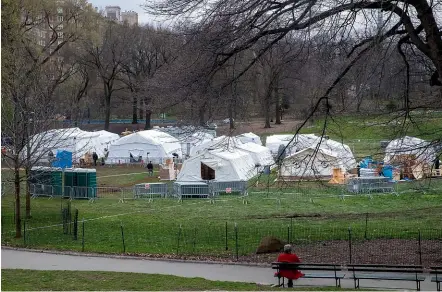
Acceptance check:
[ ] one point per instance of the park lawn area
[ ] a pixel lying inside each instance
(363, 133)
(32, 280)
(167, 226)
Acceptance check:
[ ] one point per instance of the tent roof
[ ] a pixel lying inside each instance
(410, 145)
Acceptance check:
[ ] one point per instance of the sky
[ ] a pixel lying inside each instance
(134, 5)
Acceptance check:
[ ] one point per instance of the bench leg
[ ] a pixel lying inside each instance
(356, 283)
(418, 285)
(438, 286)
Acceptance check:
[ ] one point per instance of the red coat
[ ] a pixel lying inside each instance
(289, 258)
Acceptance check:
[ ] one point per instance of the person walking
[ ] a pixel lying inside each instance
(150, 168)
(95, 158)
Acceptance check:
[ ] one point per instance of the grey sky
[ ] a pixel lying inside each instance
(134, 5)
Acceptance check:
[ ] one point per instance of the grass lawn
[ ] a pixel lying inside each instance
(31, 280)
(167, 226)
(363, 133)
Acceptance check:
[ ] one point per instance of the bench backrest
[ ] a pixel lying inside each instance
(436, 270)
(306, 266)
(386, 268)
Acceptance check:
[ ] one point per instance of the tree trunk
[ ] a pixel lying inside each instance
(148, 125)
(267, 105)
(28, 194)
(134, 109)
(231, 120)
(107, 113)
(17, 198)
(140, 109)
(28, 169)
(277, 106)
(201, 112)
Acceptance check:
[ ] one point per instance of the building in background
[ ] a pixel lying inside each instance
(129, 17)
(113, 12)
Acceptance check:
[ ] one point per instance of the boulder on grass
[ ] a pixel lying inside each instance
(270, 244)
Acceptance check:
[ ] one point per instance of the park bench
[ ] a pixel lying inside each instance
(438, 278)
(326, 271)
(386, 272)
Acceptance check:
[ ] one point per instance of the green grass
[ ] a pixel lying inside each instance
(166, 226)
(31, 280)
(364, 132)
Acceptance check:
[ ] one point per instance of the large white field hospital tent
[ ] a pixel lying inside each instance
(74, 140)
(261, 155)
(220, 164)
(310, 163)
(292, 143)
(149, 145)
(421, 149)
(317, 159)
(188, 142)
(342, 152)
(249, 137)
(221, 142)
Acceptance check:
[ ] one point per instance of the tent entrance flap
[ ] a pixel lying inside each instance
(207, 173)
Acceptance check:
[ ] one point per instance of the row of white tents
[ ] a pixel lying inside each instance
(224, 158)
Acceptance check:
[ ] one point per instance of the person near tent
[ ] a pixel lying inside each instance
(436, 163)
(150, 168)
(95, 158)
(288, 257)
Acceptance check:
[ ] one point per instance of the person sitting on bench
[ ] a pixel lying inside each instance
(288, 257)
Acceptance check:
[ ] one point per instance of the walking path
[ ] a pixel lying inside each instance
(20, 259)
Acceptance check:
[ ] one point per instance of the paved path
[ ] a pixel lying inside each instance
(17, 259)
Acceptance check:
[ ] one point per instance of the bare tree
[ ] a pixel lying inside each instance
(149, 50)
(34, 71)
(106, 56)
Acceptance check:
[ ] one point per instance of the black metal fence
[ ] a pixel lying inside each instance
(236, 241)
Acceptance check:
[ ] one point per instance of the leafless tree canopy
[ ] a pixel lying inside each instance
(240, 25)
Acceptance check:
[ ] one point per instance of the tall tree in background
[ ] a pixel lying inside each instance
(148, 50)
(106, 55)
(410, 25)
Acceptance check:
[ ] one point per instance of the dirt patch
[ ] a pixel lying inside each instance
(379, 251)
(349, 215)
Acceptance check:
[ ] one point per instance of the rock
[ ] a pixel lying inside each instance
(270, 244)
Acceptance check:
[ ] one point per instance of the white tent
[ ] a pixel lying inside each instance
(221, 142)
(261, 155)
(219, 164)
(422, 149)
(297, 143)
(151, 144)
(310, 163)
(342, 151)
(188, 142)
(249, 137)
(70, 139)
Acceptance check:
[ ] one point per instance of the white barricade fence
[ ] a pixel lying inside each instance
(187, 190)
(89, 193)
(150, 190)
(228, 187)
(109, 192)
(40, 190)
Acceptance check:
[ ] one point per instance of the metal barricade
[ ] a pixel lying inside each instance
(150, 190)
(89, 193)
(228, 187)
(109, 192)
(188, 190)
(37, 190)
